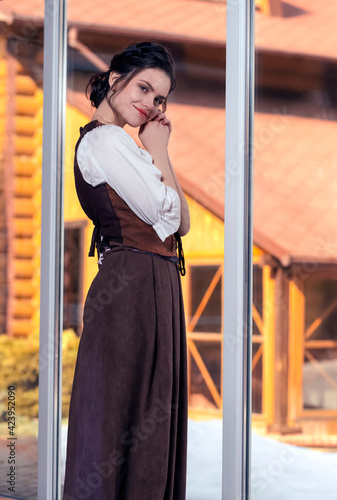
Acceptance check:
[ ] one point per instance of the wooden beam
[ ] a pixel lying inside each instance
(9, 188)
(205, 299)
(268, 361)
(318, 321)
(281, 353)
(204, 372)
(321, 370)
(296, 349)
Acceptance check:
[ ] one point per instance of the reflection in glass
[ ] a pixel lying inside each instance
(294, 232)
(205, 375)
(259, 333)
(320, 351)
(196, 110)
(73, 276)
(206, 298)
(21, 49)
(257, 378)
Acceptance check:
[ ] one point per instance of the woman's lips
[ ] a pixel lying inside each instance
(142, 112)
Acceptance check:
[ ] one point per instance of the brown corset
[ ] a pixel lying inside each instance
(113, 218)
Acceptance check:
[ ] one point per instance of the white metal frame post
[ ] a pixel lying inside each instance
(238, 250)
(51, 301)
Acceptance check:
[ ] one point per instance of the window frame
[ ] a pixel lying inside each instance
(237, 260)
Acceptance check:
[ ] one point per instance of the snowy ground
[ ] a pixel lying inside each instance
(279, 471)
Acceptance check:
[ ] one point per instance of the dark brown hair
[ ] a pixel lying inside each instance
(134, 59)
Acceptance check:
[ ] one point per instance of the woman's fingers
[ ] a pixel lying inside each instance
(167, 122)
(161, 118)
(154, 135)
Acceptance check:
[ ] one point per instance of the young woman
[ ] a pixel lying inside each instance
(127, 433)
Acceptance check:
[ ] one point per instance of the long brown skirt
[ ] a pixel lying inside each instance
(127, 433)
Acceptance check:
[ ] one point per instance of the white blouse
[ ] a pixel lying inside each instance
(108, 154)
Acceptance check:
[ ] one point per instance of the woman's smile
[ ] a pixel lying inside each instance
(145, 93)
(142, 112)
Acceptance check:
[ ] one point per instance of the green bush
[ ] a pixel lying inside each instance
(19, 367)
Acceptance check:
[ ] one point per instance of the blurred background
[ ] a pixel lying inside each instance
(295, 236)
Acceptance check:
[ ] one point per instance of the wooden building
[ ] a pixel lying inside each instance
(295, 186)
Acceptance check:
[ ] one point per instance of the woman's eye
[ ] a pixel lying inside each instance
(158, 101)
(143, 89)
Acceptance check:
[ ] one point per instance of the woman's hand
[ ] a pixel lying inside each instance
(155, 134)
(161, 117)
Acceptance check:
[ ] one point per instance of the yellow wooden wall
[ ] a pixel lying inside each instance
(3, 258)
(26, 205)
(72, 209)
(23, 200)
(206, 237)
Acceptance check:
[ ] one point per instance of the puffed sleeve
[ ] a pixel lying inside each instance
(108, 154)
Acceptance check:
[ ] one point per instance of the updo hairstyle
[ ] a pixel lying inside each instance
(134, 59)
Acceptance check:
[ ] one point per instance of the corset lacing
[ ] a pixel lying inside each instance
(103, 243)
(181, 263)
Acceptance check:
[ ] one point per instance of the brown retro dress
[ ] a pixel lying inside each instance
(127, 433)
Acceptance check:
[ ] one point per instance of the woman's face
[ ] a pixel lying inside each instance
(142, 99)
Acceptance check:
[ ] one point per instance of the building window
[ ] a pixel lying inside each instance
(204, 335)
(320, 345)
(258, 340)
(210, 317)
(73, 276)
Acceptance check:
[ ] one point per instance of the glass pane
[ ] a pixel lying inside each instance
(201, 282)
(257, 299)
(197, 101)
(320, 379)
(321, 309)
(73, 284)
(319, 368)
(294, 190)
(205, 375)
(21, 95)
(257, 378)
